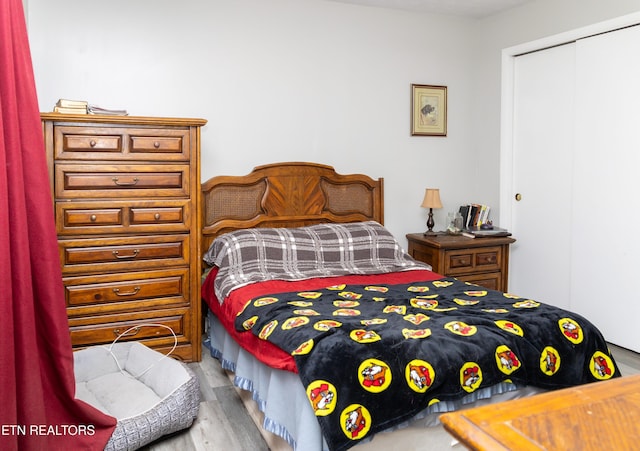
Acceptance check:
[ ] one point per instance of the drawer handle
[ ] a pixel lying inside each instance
(127, 333)
(156, 144)
(128, 293)
(93, 218)
(92, 143)
(116, 254)
(117, 182)
(157, 216)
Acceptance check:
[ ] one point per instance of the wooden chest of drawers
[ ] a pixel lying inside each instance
(126, 193)
(483, 261)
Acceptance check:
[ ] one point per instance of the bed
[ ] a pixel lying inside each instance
(339, 334)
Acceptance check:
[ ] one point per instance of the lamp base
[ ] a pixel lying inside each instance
(430, 224)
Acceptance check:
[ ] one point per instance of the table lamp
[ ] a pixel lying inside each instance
(431, 200)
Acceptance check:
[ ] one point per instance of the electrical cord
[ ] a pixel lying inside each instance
(110, 348)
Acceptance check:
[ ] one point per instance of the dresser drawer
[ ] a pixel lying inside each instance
(121, 292)
(123, 254)
(144, 327)
(75, 181)
(121, 143)
(122, 216)
(463, 261)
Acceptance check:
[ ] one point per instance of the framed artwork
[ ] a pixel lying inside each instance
(428, 110)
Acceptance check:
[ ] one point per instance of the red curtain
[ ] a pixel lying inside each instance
(37, 407)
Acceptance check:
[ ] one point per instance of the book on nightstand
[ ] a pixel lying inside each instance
(482, 233)
(474, 215)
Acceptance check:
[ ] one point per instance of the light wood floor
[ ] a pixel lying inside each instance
(224, 423)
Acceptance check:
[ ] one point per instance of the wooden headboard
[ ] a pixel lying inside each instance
(287, 195)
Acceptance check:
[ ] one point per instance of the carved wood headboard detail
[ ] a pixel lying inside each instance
(288, 195)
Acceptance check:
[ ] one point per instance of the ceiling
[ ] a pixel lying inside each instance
(465, 8)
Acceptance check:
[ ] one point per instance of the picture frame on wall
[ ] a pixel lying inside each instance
(428, 110)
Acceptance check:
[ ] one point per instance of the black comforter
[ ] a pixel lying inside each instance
(372, 356)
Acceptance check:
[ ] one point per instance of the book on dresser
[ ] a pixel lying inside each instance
(68, 106)
(129, 251)
(68, 103)
(95, 109)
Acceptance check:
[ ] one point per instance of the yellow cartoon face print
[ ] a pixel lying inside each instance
(293, 322)
(571, 330)
(418, 289)
(374, 375)
(601, 366)
(424, 303)
(322, 396)
(510, 326)
(506, 359)
(470, 376)
(364, 336)
(265, 301)
(326, 324)
(355, 421)
(268, 329)
(416, 319)
(416, 333)
(419, 375)
(304, 348)
(249, 323)
(460, 328)
(550, 361)
(442, 283)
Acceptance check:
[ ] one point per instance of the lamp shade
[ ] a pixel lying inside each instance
(431, 198)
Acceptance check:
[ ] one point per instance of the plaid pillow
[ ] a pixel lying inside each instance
(323, 250)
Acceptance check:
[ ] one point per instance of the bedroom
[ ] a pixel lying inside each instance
(337, 93)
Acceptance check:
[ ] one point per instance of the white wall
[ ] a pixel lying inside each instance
(278, 80)
(304, 80)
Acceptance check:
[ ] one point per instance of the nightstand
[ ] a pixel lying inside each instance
(482, 261)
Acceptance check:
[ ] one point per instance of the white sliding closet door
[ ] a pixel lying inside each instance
(606, 252)
(576, 164)
(544, 83)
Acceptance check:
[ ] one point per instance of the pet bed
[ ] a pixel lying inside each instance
(150, 395)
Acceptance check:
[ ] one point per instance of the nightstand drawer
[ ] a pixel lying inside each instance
(491, 280)
(121, 143)
(464, 261)
(461, 261)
